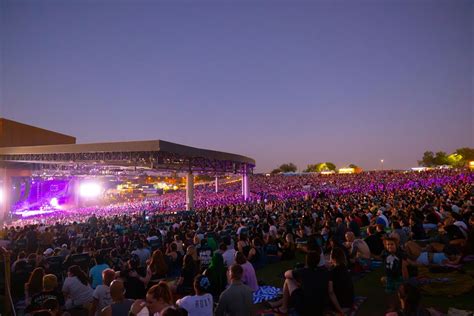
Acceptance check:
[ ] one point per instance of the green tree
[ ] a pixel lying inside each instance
(466, 153)
(321, 166)
(428, 159)
(288, 167)
(353, 166)
(311, 168)
(441, 158)
(455, 160)
(275, 171)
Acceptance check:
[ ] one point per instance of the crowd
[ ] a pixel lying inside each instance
(136, 259)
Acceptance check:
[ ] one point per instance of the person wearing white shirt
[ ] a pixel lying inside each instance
(76, 288)
(200, 304)
(229, 256)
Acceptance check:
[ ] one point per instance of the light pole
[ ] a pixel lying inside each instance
(381, 161)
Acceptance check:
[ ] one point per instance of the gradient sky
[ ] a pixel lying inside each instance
(279, 81)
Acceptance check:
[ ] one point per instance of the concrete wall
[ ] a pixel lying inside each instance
(14, 134)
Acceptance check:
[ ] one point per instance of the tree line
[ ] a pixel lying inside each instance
(317, 167)
(459, 158)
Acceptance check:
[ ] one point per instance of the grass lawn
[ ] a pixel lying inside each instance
(370, 286)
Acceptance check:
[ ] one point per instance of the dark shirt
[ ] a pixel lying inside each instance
(354, 227)
(188, 275)
(134, 288)
(205, 255)
(271, 249)
(375, 244)
(38, 300)
(342, 286)
(418, 231)
(81, 259)
(365, 220)
(454, 232)
(218, 280)
(341, 232)
(432, 218)
(393, 264)
(314, 290)
(121, 308)
(32, 241)
(20, 276)
(288, 252)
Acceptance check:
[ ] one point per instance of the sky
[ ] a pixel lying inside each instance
(278, 81)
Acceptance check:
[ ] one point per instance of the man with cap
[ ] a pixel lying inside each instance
(48, 252)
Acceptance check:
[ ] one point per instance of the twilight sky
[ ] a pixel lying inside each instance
(279, 81)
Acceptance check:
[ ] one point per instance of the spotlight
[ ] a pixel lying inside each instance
(54, 202)
(90, 189)
(1, 195)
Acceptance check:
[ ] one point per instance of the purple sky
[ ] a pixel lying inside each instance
(279, 81)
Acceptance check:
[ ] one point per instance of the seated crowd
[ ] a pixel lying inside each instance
(207, 262)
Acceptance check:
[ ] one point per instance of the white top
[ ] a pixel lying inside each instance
(229, 257)
(197, 305)
(102, 295)
(273, 230)
(79, 293)
(151, 238)
(322, 261)
(143, 254)
(144, 312)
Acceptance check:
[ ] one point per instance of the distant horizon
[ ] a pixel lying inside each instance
(278, 81)
(300, 168)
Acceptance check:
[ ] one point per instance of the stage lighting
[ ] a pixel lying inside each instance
(1, 195)
(90, 189)
(54, 202)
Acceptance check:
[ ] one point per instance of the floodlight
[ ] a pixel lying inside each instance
(54, 202)
(90, 189)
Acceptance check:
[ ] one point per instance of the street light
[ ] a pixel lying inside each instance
(381, 161)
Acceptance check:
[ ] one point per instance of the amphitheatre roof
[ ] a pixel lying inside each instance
(151, 154)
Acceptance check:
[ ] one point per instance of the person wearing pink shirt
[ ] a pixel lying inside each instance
(249, 277)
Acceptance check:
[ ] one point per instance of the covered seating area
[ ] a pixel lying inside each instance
(111, 158)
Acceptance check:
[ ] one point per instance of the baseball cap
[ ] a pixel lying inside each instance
(48, 252)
